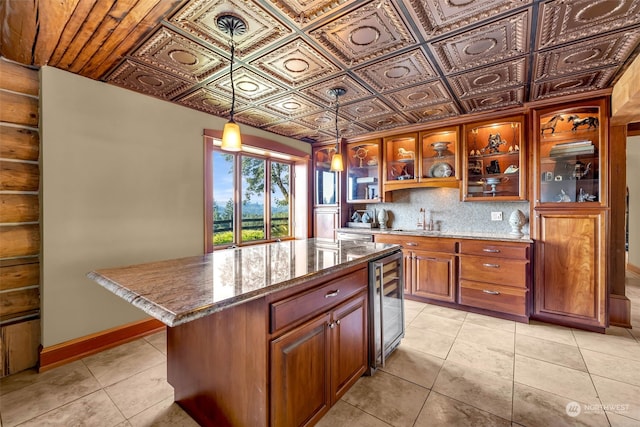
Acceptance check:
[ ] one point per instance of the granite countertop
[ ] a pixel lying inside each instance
(181, 290)
(501, 237)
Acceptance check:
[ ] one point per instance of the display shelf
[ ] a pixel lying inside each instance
(439, 156)
(363, 172)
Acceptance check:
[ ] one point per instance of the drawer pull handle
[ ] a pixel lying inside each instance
(491, 251)
(332, 293)
(411, 244)
(491, 265)
(487, 291)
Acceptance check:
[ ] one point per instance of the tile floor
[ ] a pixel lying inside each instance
(452, 369)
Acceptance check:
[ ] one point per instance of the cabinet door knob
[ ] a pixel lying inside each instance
(332, 325)
(487, 291)
(332, 293)
(491, 265)
(491, 251)
(337, 322)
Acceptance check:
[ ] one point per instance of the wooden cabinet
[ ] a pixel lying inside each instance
(429, 266)
(314, 363)
(570, 268)
(328, 197)
(494, 160)
(400, 161)
(364, 166)
(496, 276)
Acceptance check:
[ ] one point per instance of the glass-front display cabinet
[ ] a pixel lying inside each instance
(364, 165)
(325, 180)
(400, 160)
(494, 160)
(569, 155)
(439, 157)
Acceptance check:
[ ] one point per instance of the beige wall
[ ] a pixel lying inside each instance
(633, 182)
(122, 183)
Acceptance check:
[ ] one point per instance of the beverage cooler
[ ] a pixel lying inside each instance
(386, 308)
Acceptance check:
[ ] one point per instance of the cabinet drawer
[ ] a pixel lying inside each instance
(433, 244)
(494, 249)
(494, 270)
(297, 307)
(505, 299)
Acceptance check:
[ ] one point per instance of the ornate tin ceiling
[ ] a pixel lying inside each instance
(401, 61)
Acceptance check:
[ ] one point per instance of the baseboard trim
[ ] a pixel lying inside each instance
(619, 311)
(69, 351)
(633, 268)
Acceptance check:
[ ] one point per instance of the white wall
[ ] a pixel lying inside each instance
(633, 182)
(122, 183)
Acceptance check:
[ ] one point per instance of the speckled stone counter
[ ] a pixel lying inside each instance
(501, 237)
(180, 290)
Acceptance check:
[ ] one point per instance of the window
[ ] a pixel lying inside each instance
(251, 197)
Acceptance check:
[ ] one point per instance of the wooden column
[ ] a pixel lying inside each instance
(19, 218)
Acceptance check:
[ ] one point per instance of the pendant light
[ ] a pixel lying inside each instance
(231, 25)
(337, 164)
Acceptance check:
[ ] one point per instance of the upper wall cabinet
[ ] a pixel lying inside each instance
(364, 166)
(400, 161)
(325, 180)
(570, 155)
(494, 161)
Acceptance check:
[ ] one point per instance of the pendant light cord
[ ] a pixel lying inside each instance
(233, 87)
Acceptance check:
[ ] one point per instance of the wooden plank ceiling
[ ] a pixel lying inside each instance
(401, 61)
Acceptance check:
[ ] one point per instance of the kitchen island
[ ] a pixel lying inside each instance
(270, 334)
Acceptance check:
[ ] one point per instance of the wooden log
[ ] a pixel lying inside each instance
(19, 30)
(20, 343)
(19, 240)
(18, 78)
(17, 176)
(53, 20)
(19, 143)
(18, 109)
(19, 302)
(19, 208)
(19, 273)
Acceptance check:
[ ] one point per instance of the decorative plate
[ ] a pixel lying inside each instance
(440, 170)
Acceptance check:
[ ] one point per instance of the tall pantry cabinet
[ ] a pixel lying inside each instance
(570, 172)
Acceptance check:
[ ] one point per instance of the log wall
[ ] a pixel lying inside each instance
(19, 218)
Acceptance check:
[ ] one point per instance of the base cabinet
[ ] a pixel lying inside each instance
(571, 268)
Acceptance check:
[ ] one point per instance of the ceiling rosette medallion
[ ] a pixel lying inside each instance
(399, 71)
(199, 18)
(296, 64)
(488, 79)
(141, 78)
(495, 42)
(494, 100)
(366, 33)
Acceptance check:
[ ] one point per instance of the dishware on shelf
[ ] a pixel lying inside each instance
(440, 147)
(440, 170)
(493, 182)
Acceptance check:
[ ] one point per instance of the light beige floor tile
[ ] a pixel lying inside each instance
(546, 331)
(617, 342)
(613, 367)
(95, 410)
(141, 391)
(556, 379)
(477, 356)
(125, 423)
(159, 341)
(344, 414)
(491, 338)
(635, 332)
(51, 390)
(389, 398)
(413, 365)
(19, 380)
(619, 421)
(166, 413)
(429, 342)
(537, 408)
(411, 310)
(618, 397)
(477, 388)
(442, 411)
(442, 325)
(549, 351)
(491, 322)
(121, 362)
(449, 313)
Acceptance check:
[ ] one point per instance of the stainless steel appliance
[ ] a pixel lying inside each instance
(386, 308)
(345, 235)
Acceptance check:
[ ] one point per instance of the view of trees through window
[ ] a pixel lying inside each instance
(263, 199)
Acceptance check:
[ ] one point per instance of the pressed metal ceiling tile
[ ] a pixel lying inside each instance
(433, 112)
(199, 17)
(288, 128)
(364, 109)
(387, 121)
(494, 100)
(495, 42)
(439, 16)
(488, 79)
(249, 86)
(562, 21)
(205, 100)
(144, 79)
(296, 64)
(420, 96)
(320, 91)
(600, 52)
(291, 105)
(322, 120)
(176, 54)
(569, 85)
(302, 12)
(366, 33)
(398, 71)
(257, 117)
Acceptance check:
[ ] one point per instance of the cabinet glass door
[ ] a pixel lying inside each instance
(326, 181)
(400, 158)
(439, 155)
(363, 172)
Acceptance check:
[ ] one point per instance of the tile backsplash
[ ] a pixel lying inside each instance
(448, 212)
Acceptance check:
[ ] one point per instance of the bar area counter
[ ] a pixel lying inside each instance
(271, 334)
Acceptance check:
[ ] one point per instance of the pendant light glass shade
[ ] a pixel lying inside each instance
(336, 163)
(231, 140)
